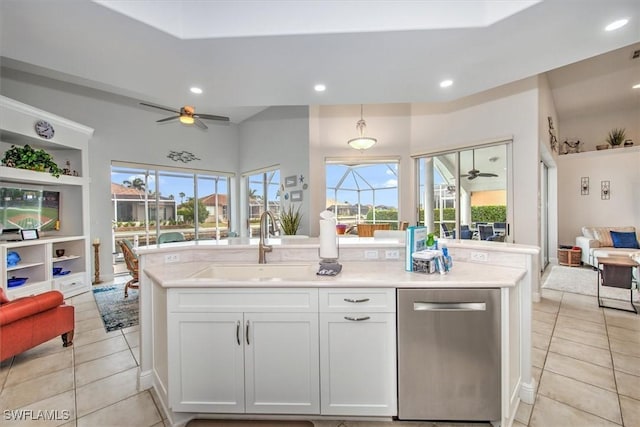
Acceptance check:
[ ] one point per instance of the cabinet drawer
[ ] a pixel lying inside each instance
(69, 284)
(246, 300)
(382, 300)
(27, 291)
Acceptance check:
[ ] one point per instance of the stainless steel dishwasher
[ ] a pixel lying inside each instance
(449, 354)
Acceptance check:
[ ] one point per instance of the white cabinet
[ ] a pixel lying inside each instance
(38, 257)
(358, 352)
(207, 362)
(37, 264)
(245, 350)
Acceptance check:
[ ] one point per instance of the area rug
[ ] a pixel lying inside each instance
(117, 311)
(582, 280)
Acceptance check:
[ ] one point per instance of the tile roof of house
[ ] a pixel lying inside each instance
(210, 200)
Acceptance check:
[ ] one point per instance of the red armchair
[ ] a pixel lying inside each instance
(29, 321)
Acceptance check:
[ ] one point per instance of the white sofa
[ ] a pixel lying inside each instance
(596, 242)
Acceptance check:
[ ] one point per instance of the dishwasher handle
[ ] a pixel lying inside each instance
(449, 306)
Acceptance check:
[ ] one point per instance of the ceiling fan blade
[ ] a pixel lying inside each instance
(488, 175)
(211, 117)
(472, 177)
(199, 123)
(160, 107)
(167, 119)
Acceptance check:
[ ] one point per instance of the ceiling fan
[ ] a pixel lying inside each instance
(474, 173)
(187, 115)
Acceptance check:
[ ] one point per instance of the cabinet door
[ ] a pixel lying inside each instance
(206, 360)
(358, 363)
(282, 367)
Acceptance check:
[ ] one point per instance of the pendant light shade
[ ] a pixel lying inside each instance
(361, 142)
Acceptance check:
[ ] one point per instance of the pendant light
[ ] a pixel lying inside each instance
(361, 142)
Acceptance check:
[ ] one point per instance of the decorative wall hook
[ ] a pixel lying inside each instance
(605, 190)
(584, 185)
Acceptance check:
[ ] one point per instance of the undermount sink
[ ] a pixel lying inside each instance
(244, 272)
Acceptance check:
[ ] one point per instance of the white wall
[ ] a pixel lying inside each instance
(123, 132)
(509, 111)
(620, 166)
(278, 136)
(592, 129)
(546, 108)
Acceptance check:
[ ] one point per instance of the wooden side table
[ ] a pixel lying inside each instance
(617, 272)
(571, 257)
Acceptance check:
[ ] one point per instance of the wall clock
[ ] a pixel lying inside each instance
(44, 129)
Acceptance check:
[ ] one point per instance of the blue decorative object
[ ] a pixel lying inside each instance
(624, 240)
(16, 281)
(57, 270)
(12, 259)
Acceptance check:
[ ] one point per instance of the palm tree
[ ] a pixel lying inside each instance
(181, 194)
(138, 183)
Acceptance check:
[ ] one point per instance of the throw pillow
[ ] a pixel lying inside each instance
(603, 234)
(3, 297)
(624, 240)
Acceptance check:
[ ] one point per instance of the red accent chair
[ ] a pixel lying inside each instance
(29, 321)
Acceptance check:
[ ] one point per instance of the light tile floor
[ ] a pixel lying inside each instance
(586, 361)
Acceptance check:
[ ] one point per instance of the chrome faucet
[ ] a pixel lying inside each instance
(264, 234)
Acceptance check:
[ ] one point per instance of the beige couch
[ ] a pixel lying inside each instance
(596, 242)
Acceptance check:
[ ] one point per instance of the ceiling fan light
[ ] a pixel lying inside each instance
(187, 120)
(362, 142)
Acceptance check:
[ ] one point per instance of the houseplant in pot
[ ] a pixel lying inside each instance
(290, 220)
(616, 137)
(30, 158)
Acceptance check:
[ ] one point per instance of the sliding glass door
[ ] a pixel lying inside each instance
(464, 194)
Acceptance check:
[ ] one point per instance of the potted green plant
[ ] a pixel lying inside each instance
(616, 137)
(30, 158)
(290, 220)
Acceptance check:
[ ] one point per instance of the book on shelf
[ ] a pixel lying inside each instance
(416, 240)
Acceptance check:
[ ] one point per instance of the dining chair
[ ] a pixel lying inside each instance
(131, 261)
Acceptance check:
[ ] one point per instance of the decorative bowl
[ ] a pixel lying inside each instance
(12, 259)
(59, 253)
(16, 281)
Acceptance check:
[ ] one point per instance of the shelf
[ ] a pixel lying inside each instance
(25, 176)
(24, 265)
(64, 258)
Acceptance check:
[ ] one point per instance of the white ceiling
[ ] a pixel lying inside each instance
(265, 53)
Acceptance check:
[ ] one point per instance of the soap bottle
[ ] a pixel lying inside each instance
(447, 260)
(431, 243)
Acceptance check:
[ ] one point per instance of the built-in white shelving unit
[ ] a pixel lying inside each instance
(38, 257)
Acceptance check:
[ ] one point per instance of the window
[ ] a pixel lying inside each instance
(363, 192)
(263, 191)
(466, 190)
(149, 201)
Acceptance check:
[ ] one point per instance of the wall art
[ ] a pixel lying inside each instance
(584, 185)
(605, 190)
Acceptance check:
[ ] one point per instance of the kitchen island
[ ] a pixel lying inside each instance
(222, 336)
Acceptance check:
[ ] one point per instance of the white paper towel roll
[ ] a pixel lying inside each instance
(328, 242)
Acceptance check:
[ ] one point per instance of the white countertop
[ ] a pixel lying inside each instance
(299, 242)
(353, 274)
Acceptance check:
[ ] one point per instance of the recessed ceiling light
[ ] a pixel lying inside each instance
(446, 83)
(319, 87)
(616, 24)
(196, 90)
(636, 86)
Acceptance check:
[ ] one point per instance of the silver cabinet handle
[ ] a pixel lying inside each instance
(356, 300)
(449, 306)
(238, 332)
(247, 333)
(356, 319)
